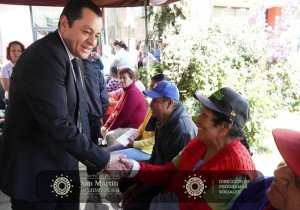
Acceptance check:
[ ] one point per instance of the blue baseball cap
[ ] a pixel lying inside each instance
(163, 89)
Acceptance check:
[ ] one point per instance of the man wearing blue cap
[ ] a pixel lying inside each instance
(175, 126)
(174, 129)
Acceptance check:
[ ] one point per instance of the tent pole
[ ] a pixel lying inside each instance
(34, 33)
(146, 34)
(146, 21)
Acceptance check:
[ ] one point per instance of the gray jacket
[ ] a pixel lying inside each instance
(172, 136)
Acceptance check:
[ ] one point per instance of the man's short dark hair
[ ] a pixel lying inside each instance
(159, 77)
(73, 10)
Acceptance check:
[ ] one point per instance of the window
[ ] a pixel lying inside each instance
(44, 20)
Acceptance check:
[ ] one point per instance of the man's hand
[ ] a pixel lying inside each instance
(131, 140)
(103, 131)
(118, 167)
(127, 163)
(130, 144)
(95, 55)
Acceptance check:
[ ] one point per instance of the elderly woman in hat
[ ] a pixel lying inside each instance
(212, 170)
(283, 190)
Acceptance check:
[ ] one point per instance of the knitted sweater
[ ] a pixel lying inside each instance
(232, 161)
(129, 111)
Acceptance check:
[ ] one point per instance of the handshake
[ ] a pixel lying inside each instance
(119, 166)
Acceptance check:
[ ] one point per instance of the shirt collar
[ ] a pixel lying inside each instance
(70, 55)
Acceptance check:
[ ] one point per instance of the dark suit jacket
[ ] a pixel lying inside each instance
(40, 131)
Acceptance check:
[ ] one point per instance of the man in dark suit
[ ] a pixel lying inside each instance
(46, 118)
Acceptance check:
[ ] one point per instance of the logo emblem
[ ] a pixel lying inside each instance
(194, 187)
(61, 186)
(232, 113)
(218, 95)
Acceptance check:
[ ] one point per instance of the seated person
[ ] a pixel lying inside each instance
(114, 96)
(174, 129)
(194, 178)
(283, 192)
(113, 82)
(129, 111)
(140, 148)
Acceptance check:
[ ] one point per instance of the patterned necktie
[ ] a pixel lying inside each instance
(82, 118)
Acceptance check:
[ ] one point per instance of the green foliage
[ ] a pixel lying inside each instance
(144, 76)
(166, 17)
(254, 59)
(146, 73)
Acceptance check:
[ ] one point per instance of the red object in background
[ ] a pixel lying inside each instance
(271, 15)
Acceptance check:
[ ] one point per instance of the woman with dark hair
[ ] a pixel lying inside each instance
(13, 52)
(129, 111)
(122, 56)
(214, 168)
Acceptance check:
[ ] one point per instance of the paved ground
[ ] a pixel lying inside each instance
(265, 163)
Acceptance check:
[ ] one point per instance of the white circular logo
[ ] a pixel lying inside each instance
(194, 186)
(61, 186)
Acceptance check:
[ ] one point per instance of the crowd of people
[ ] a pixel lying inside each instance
(59, 104)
